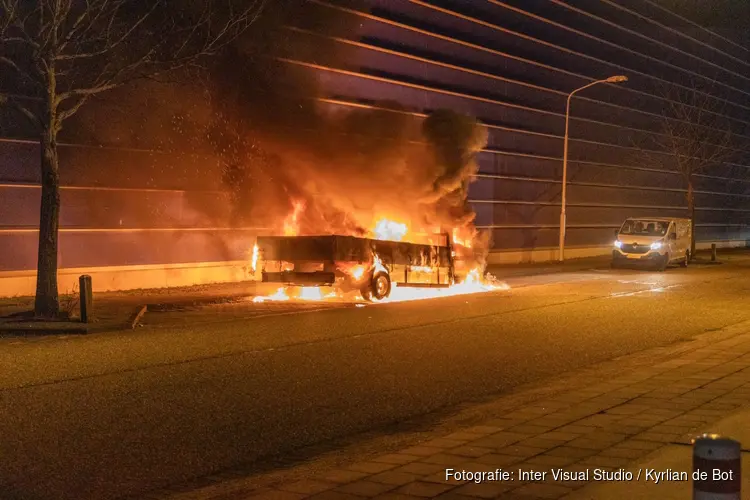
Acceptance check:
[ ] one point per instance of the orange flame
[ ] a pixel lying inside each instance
(280, 295)
(254, 258)
(357, 272)
(377, 264)
(460, 239)
(386, 229)
(291, 223)
(284, 294)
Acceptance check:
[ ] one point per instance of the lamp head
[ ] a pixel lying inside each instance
(617, 79)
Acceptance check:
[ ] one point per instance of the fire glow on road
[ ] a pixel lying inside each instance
(402, 294)
(471, 285)
(286, 293)
(656, 289)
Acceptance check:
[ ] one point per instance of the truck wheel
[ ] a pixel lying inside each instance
(380, 285)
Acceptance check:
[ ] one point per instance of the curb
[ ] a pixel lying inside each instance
(39, 330)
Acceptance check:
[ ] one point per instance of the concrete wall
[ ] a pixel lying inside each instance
(111, 278)
(114, 278)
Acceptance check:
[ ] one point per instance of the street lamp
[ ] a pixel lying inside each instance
(611, 79)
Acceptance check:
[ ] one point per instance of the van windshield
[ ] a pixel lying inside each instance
(645, 227)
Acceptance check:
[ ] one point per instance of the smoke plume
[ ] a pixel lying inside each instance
(343, 168)
(255, 126)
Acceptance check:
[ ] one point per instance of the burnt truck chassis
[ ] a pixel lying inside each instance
(354, 263)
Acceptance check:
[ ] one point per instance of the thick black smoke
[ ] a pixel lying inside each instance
(348, 167)
(253, 125)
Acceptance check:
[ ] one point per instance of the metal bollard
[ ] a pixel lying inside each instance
(713, 252)
(86, 297)
(716, 468)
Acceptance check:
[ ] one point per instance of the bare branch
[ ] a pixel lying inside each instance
(72, 110)
(73, 50)
(109, 45)
(20, 70)
(694, 134)
(13, 24)
(15, 102)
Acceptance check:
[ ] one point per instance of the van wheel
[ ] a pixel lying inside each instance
(662, 266)
(685, 262)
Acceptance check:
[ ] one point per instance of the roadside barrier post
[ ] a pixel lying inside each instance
(716, 468)
(713, 252)
(86, 297)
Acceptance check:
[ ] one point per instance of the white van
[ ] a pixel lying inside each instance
(655, 240)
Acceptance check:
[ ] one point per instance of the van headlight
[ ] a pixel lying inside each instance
(656, 245)
(618, 244)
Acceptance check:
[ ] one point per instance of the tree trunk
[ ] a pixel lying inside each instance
(47, 302)
(691, 214)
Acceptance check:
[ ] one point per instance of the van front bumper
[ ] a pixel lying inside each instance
(650, 256)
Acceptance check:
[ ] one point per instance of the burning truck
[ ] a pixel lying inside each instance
(375, 202)
(371, 266)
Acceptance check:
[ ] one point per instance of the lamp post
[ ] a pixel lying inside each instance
(611, 79)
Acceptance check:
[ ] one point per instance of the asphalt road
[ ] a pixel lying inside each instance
(112, 415)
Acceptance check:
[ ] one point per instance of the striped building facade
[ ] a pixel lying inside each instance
(509, 63)
(512, 65)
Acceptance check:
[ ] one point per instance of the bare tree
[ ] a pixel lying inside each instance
(695, 137)
(59, 54)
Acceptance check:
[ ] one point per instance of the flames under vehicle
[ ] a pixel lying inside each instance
(353, 263)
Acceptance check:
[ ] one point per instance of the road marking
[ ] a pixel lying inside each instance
(648, 290)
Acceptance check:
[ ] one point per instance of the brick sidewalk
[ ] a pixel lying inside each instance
(605, 416)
